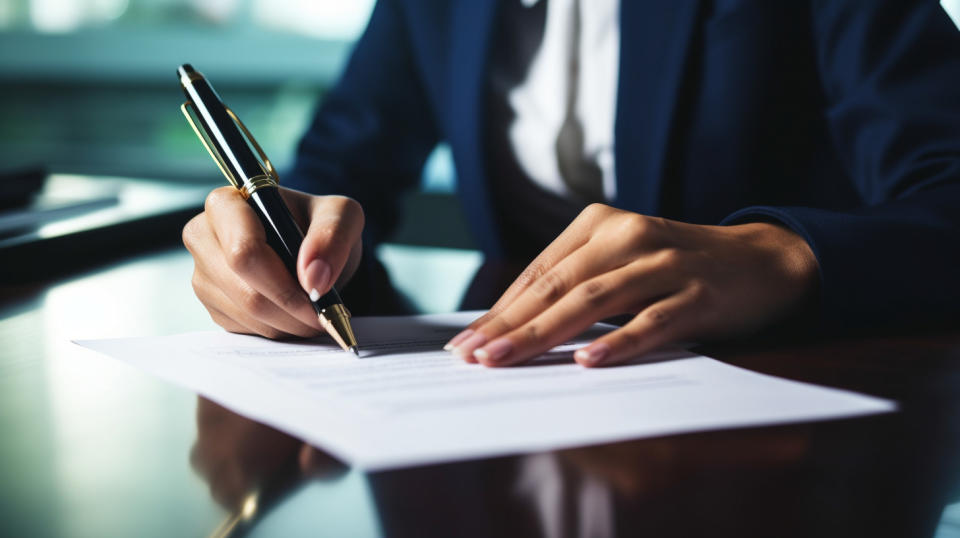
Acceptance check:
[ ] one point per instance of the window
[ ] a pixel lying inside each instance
(89, 86)
(326, 19)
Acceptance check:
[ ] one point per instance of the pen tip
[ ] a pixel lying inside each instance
(355, 350)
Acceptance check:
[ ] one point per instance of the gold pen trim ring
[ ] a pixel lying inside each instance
(270, 171)
(256, 183)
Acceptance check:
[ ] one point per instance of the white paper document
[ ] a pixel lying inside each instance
(407, 402)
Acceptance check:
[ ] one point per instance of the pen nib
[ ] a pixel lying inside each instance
(355, 350)
(336, 321)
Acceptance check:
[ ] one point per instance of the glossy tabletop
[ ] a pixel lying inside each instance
(92, 447)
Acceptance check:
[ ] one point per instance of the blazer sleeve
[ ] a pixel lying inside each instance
(368, 140)
(890, 71)
(371, 135)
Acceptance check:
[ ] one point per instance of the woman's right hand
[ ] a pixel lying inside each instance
(241, 280)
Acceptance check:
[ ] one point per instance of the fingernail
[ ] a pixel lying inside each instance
(465, 348)
(592, 355)
(316, 275)
(464, 334)
(494, 351)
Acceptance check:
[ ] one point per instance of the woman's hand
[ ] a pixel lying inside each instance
(683, 282)
(238, 456)
(241, 280)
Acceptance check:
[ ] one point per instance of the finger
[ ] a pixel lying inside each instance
(217, 286)
(572, 238)
(590, 301)
(317, 463)
(197, 237)
(243, 242)
(333, 239)
(576, 235)
(228, 323)
(581, 265)
(672, 319)
(232, 299)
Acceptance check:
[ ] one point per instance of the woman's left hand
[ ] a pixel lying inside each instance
(683, 281)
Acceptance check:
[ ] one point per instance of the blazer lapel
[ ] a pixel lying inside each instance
(655, 39)
(471, 27)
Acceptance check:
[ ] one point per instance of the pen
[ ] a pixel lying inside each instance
(229, 143)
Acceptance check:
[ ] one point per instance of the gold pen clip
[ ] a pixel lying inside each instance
(247, 186)
(264, 161)
(214, 154)
(269, 177)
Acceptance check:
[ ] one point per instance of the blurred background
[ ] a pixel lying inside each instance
(89, 114)
(88, 87)
(89, 99)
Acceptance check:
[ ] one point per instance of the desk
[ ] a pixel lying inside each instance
(92, 447)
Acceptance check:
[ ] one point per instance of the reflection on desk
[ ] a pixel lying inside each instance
(92, 447)
(881, 476)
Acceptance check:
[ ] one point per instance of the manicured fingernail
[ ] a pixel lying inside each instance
(494, 351)
(317, 276)
(592, 355)
(465, 348)
(457, 339)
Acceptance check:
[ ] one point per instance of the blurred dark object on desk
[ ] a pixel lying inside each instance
(67, 222)
(18, 187)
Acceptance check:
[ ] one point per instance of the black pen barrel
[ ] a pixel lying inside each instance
(222, 130)
(284, 235)
(260, 189)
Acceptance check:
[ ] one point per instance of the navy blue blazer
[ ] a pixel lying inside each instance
(837, 118)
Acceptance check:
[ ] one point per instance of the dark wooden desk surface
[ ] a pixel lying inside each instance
(92, 447)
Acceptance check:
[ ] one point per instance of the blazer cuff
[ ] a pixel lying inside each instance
(787, 218)
(879, 266)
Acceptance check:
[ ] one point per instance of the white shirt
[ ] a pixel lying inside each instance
(541, 101)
